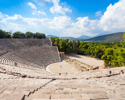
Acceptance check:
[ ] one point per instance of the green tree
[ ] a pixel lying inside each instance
(2, 33)
(52, 40)
(29, 34)
(43, 35)
(56, 42)
(7, 35)
(123, 41)
(39, 35)
(108, 56)
(63, 44)
(83, 45)
(18, 34)
(119, 57)
(74, 46)
(78, 44)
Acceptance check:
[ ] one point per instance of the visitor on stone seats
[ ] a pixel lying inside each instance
(122, 71)
(110, 72)
(15, 64)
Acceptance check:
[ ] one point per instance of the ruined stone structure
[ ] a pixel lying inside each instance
(34, 52)
(29, 80)
(62, 54)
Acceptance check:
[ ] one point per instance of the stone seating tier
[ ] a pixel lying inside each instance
(82, 88)
(34, 56)
(14, 44)
(29, 80)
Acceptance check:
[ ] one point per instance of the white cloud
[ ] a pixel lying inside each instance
(113, 20)
(59, 9)
(56, 8)
(1, 15)
(19, 23)
(98, 13)
(60, 22)
(114, 17)
(38, 13)
(7, 18)
(82, 26)
(15, 17)
(41, 12)
(33, 13)
(32, 5)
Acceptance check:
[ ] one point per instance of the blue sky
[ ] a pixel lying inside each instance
(63, 17)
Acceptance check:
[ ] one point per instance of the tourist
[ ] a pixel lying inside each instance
(15, 64)
(122, 71)
(110, 72)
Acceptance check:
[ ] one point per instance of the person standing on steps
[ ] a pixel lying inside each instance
(60, 66)
(122, 71)
(15, 64)
(110, 72)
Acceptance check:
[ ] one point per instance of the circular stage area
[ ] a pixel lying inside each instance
(61, 67)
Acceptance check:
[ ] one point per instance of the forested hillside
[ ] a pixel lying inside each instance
(113, 54)
(114, 37)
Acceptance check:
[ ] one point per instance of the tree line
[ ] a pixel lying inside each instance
(113, 54)
(18, 34)
(4, 34)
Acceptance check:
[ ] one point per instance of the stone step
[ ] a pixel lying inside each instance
(9, 90)
(35, 97)
(100, 96)
(64, 96)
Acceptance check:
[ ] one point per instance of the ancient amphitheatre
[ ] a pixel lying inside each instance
(40, 74)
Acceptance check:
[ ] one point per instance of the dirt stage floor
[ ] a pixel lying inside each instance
(64, 67)
(61, 67)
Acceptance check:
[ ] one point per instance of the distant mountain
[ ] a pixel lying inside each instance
(105, 33)
(51, 36)
(70, 38)
(67, 37)
(113, 37)
(84, 37)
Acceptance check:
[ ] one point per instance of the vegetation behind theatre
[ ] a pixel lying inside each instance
(113, 53)
(18, 34)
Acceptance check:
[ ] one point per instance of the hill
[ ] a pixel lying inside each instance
(84, 37)
(51, 36)
(70, 38)
(113, 37)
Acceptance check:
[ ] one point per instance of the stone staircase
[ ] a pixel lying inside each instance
(41, 85)
(17, 88)
(78, 90)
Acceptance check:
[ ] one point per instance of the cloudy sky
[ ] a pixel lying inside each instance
(63, 17)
